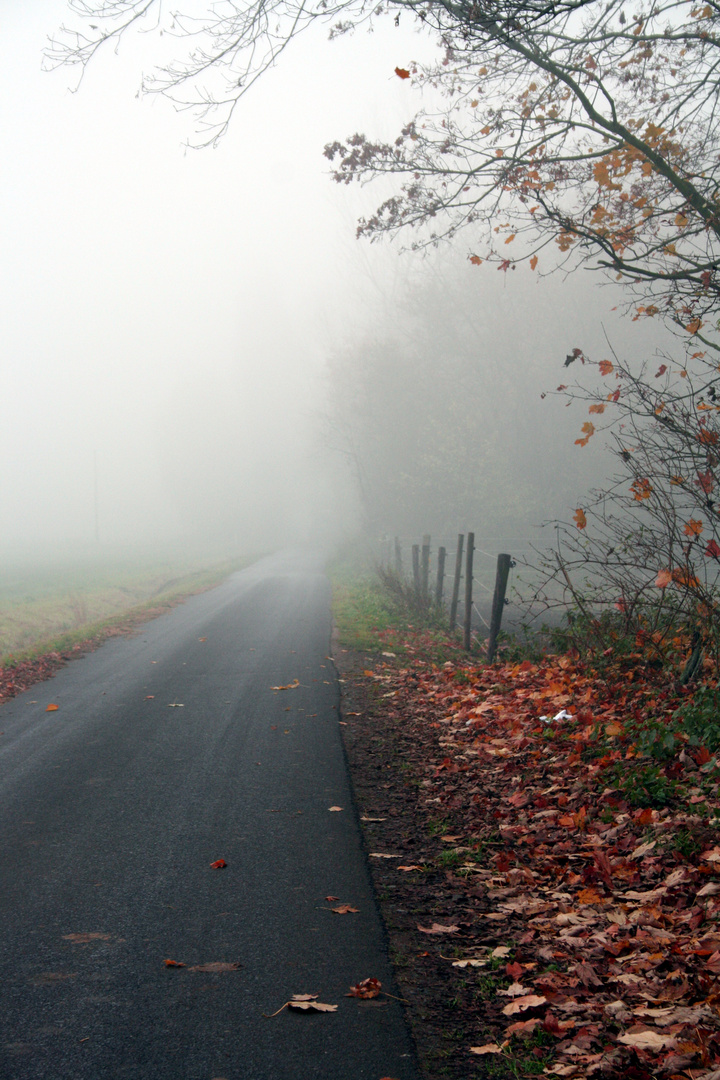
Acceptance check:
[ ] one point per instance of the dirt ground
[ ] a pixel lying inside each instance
(444, 1011)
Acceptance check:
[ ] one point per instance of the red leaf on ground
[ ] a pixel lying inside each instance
(367, 988)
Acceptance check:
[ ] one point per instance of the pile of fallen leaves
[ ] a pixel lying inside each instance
(583, 826)
(19, 675)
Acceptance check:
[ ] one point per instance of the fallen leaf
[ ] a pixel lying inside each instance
(345, 909)
(174, 963)
(382, 855)
(587, 897)
(407, 869)
(438, 928)
(86, 939)
(52, 708)
(530, 1001)
(514, 990)
(647, 1040)
(316, 1006)
(219, 864)
(367, 988)
(402, 73)
(523, 1027)
(176, 705)
(215, 965)
(331, 898)
(335, 808)
(290, 686)
(372, 818)
(642, 849)
(303, 1001)
(489, 1048)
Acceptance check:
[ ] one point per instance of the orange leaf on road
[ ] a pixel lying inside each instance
(367, 988)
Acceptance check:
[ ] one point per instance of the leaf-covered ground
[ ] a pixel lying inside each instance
(546, 844)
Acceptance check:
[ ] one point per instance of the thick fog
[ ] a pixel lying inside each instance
(192, 339)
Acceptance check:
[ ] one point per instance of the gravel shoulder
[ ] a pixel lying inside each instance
(387, 774)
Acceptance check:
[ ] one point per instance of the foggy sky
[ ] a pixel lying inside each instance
(166, 313)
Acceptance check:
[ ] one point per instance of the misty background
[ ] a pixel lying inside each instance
(196, 350)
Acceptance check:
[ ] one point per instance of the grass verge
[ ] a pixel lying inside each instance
(23, 668)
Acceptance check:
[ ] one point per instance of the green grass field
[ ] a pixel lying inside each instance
(51, 604)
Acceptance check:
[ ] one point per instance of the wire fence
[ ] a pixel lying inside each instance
(474, 577)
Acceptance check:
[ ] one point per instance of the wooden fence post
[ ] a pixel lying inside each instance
(468, 590)
(416, 568)
(456, 582)
(425, 569)
(504, 563)
(398, 557)
(440, 576)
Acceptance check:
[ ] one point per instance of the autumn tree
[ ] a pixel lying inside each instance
(640, 559)
(590, 137)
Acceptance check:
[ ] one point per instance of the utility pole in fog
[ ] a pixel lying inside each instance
(95, 498)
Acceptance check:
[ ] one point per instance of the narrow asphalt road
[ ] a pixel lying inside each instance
(170, 750)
